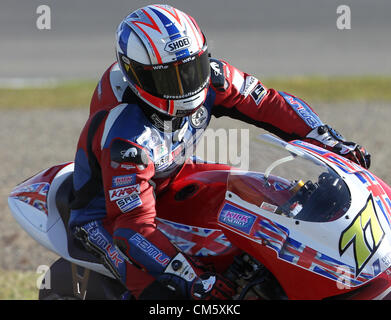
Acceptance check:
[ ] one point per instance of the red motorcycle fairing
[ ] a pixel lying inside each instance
(187, 215)
(295, 265)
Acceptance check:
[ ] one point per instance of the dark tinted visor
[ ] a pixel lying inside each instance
(176, 80)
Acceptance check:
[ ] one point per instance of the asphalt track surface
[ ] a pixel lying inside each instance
(263, 37)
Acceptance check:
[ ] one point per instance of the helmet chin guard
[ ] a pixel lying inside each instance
(163, 55)
(176, 108)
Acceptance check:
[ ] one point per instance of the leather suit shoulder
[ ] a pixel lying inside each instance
(125, 121)
(217, 74)
(109, 91)
(118, 82)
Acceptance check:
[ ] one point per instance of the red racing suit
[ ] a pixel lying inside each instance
(128, 152)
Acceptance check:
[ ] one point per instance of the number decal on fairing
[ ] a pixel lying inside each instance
(364, 244)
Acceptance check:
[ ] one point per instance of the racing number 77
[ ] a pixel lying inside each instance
(356, 234)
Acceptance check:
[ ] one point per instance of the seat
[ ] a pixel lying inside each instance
(64, 197)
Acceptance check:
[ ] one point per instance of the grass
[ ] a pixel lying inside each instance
(18, 285)
(76, 94)
(70, 94)
(336, 89)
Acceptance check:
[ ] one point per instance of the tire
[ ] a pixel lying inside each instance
(60, 287)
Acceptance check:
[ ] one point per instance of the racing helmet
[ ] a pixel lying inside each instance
(163, 54)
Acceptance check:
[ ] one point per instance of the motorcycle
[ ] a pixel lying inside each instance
(318, 227)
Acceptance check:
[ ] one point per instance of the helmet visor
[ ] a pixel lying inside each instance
(175, 80)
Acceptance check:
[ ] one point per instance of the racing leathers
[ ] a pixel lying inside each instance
(128, 153)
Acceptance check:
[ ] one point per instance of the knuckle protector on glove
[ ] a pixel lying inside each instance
(327, 136)
(212, 286)
(334, 141)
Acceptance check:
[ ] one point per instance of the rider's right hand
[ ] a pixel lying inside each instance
(328, 138)
(194, 281)
(212, 286)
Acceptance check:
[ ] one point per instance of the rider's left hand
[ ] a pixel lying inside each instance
(328, 138)
(354, 152)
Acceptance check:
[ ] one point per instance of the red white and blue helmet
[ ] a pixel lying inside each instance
(163, 54)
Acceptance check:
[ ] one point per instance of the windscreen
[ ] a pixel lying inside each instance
(291, 184)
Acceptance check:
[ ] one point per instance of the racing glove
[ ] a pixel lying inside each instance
(212, 286)
(195, 282)
(328, 138)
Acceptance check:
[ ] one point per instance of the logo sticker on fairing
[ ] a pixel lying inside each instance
(236, 218)
(365, 234)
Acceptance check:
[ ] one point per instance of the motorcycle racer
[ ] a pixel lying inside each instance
(148, 112)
